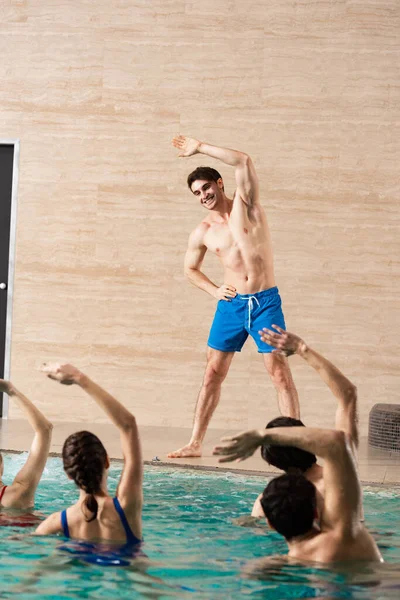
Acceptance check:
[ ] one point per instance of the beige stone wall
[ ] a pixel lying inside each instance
(96, 90)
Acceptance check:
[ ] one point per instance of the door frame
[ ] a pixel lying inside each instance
(11, 263)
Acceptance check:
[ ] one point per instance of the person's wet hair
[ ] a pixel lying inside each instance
(289, 503)
(206, 173)
(287, 458)
(85, 459)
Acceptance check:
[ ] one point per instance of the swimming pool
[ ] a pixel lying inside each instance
(195, 548)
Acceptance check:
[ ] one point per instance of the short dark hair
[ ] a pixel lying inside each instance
(206, 173)
(289, 502)
(287, 457)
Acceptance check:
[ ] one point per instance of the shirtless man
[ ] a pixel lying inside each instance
(21, 493)
(289, 501)
(236, 230)
(294, 460)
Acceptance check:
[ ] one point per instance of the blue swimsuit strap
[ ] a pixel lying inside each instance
(130, 536)
(64, 523)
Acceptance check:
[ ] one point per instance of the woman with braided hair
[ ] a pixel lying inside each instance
(97, 516)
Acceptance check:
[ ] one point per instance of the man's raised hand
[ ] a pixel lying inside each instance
(239, 447)
(285, 342)
(187, 146)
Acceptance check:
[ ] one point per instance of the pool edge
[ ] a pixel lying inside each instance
(214, 469)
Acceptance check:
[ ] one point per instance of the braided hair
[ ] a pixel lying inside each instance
(85, 459)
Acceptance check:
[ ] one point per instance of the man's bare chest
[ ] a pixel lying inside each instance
(219, 238)
(224, 238)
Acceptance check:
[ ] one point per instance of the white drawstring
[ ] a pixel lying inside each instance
(250, 305)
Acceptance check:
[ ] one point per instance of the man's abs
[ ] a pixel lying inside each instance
(250, 281)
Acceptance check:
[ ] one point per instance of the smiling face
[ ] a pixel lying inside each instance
(209, 193)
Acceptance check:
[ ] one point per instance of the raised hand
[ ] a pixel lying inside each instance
(6, 387)
(239, 447)
(285, 342)
(225, 292)
(65, 374)
(187, 146)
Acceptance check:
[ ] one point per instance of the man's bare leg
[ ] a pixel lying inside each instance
(278, 368)
(217, 368)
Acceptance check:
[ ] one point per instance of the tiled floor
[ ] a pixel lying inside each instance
(375, 466)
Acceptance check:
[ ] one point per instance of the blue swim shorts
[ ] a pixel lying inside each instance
(244, 315)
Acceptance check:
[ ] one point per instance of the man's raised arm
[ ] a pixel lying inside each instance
(341, 387)
(342, 505)
(245, 173)
(243, 445)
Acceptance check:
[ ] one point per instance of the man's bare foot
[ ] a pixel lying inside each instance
(191, 450)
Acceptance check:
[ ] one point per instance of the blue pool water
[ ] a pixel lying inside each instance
(195, 547)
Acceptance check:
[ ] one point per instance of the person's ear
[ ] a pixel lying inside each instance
(220, 183)
(107, 462)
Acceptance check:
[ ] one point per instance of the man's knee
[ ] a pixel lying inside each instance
(279, 371)
(215, 373)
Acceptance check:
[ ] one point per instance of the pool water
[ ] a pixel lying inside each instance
(195, 547)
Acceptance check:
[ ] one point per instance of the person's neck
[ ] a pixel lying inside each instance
(103, 491)
(223, 209)
(305, 537)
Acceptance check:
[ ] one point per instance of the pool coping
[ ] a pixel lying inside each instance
(213, 469)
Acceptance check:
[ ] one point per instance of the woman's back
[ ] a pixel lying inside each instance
(111, 523)
(96, 516)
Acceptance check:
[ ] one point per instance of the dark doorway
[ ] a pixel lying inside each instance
(6, 183)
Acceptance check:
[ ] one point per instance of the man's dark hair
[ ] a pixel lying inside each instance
(206, 173)
(289, 503)
(287, 457)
